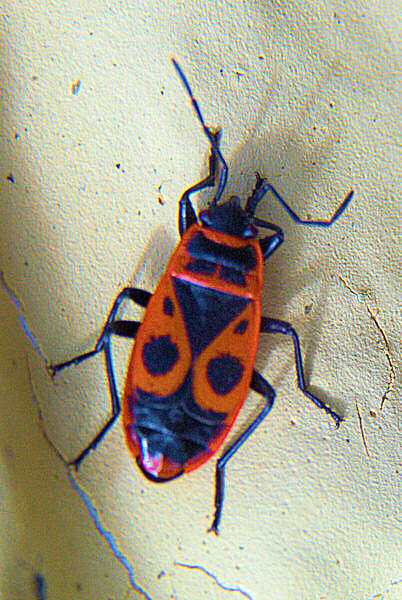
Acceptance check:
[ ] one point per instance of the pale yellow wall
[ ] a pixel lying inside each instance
(308, 94)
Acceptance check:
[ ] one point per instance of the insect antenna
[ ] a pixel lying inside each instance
(224, 172)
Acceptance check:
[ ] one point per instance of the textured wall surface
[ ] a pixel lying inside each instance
(98, 141)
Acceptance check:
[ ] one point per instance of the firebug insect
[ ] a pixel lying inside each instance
(193, 358)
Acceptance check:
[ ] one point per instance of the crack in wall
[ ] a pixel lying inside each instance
(362, 294)
(362, 430)
(20, 311)
(93, 513)
(392, 374)
(382, 595)
(221, 585)
(107, 535)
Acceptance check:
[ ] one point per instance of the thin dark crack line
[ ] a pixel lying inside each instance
(392, 584)
(392, 372)
(361, 294)
(362, 430)
(20, 315)
(215, 579)
(107, 535)
(93, 513)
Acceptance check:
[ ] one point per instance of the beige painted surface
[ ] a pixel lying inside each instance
(308, 94)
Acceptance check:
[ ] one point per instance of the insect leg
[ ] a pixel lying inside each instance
(140, 297)
(271, 243)
(212, 140)
(295, 216)
(256, 197)
(127, 329)
(260, 385)
(269, 325)
(187, 216)
(115, 409)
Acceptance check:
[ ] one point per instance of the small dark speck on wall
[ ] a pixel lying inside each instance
(75, 88)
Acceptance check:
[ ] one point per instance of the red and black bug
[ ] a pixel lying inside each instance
(193, 359)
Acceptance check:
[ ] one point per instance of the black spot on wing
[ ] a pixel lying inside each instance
(206, 312)
(241, 327)
(160, 355)
(168, 307)
(224, 373)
